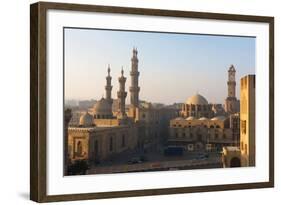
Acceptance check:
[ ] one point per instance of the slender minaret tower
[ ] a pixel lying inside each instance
(135, 89)
(231, 83)
(108, 87)
(231, 103)
(121, 94)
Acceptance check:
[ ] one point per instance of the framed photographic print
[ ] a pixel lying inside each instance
(134, 102)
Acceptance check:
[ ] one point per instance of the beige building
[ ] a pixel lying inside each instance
(246, 150)
(98, 143)
(206, 126)
(203, 133)
(153, 124)
(247, 120)
(100, 134)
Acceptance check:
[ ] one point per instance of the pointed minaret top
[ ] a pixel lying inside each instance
(231, 68)
(135, 51)
(122, 71)
(108, 69)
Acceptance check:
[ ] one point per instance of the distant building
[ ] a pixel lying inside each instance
(86, 104)
(71, 103)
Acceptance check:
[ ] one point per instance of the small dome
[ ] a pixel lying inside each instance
(221, 118)
(86, 120)
(203, 118)
(191, 118)
(197, 100)
(102, 107)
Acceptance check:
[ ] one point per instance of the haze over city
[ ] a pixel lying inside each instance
(172, 66)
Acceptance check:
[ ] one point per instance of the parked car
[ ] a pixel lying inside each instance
(202, 156)
(136, 160)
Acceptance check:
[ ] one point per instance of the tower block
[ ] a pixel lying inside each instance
(134, 88)
(121, 94)
(231, 102)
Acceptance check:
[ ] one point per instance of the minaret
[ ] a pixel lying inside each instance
(134, 89)
(108, 87)
(231, 83)
(231, 103)
(121, 94)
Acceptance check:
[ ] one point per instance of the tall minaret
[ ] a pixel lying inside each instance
(108, 87)
(231, 83)
(121, 94)
(135, 89)
(231, 103)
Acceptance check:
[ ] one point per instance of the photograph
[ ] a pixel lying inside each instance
(144, 101)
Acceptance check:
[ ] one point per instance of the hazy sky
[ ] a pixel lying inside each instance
(172, 66)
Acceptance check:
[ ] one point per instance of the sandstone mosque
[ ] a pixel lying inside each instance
(103, 132)
(107, 130)
(205, 126)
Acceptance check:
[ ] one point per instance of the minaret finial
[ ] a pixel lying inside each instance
(108, 69)
(122, 71)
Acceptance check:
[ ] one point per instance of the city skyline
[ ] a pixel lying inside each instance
(172, 67)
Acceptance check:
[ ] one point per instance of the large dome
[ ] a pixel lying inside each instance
(102, 107)
(197, 100)
(86, 120)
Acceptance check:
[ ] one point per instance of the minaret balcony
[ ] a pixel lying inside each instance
(134, 89)
(135, 73)
(121, 94)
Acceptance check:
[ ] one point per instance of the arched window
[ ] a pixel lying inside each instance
(218, 126)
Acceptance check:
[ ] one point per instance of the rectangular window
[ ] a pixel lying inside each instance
(243, 126)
